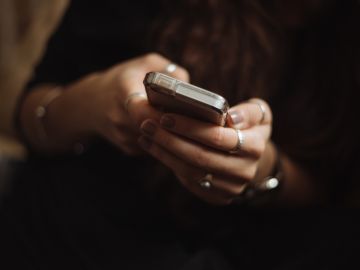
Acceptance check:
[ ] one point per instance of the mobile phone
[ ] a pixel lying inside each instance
(176, 96)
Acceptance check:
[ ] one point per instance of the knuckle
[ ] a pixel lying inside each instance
(218, 136)
(151, 57)
(245, 116)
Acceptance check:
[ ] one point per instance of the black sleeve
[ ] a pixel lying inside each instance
(95, 36)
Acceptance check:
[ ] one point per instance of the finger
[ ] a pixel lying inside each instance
(197, 155)
(177, 72)
(139, 109)
(209, 196)
(129, 76)
(139, 95)
(157, 62)
(188, 175)
(134, 93)
(227, 187)
(251, 113)
(221, 138)
(221, 191)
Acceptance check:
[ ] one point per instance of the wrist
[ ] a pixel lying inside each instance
(48, 123)
(265, 187)
(267, 163)
(68, 123)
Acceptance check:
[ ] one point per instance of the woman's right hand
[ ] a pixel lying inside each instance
(95, 104)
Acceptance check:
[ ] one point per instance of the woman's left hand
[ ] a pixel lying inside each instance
(194, 149)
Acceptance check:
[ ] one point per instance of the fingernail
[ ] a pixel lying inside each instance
(145, 142)
(167, 121)
(148, 128)
(236, 117)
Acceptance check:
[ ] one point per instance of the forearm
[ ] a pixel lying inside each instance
(61, 127)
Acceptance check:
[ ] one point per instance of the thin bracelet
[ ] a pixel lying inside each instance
(41, 111)
(263, 191)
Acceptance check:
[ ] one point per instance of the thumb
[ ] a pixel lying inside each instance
(248, 114)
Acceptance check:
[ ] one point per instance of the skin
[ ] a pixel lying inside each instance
(94, 105)
(190, 148)
(193, 148)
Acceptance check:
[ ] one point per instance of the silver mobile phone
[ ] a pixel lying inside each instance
(176, 96)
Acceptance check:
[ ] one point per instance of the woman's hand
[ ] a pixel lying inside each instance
(95, 105)
(107, 92)
(194, 149)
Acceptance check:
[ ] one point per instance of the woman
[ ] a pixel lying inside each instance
(115, 196)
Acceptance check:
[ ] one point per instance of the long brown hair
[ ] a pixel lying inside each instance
(222, 44)
(305, 64)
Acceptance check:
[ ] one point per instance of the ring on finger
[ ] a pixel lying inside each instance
(262, 109)
(206, 181)
(130, 97)
(240, 142)
(170, 68)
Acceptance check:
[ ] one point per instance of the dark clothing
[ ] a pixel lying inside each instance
(103, 210)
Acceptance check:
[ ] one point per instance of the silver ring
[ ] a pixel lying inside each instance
(205, 182)
(251, 191)
(170, 68)
(262, 109)
(130, 97)
(240, 142)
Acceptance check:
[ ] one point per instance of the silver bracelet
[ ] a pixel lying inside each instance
(42, 110)
(41, 113)
(263, 191)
